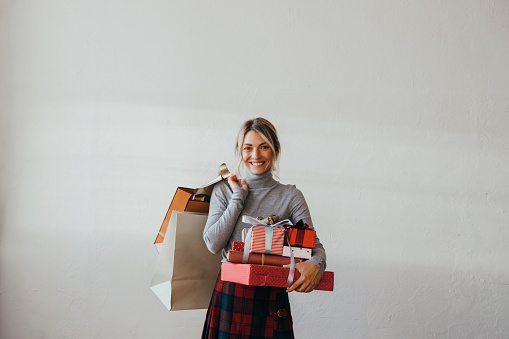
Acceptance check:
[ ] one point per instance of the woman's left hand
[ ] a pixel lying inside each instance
(232, 180)
(310, 276)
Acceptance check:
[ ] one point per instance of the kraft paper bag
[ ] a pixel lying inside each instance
(190, 200)
(186, 271)
(182, 201)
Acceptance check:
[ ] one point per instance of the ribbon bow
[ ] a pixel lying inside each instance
(270, 220)
(300, 225)
(268, 241)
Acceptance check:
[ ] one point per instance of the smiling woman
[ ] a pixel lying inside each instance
(241, 311)
(258, 146)
(256, 153)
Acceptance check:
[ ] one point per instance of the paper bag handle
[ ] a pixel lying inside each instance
(206, 190)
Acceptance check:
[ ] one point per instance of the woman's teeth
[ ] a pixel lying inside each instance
(257, 163)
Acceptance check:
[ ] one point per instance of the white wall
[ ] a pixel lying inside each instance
(394, 120)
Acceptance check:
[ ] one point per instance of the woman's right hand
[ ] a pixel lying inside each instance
(232, 180)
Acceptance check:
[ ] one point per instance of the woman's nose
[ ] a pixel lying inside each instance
(255, 154)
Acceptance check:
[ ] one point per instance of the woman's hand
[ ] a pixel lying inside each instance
(232, 180)
(310, 276)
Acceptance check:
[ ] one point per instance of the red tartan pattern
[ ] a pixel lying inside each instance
(238, 311)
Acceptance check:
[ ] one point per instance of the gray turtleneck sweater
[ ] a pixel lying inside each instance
(266, 196)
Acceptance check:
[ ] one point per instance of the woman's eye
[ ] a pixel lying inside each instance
(247, 148)
(265, 147)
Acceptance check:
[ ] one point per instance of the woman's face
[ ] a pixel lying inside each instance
(256, 153)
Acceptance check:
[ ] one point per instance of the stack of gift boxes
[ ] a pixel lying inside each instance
(264, 265)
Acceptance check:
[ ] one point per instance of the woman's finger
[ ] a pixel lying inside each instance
(244, 185)
(296, 285)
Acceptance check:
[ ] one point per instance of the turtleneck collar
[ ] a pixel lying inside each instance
(259, 180)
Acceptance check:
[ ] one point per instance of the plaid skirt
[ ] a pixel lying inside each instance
(239, 311)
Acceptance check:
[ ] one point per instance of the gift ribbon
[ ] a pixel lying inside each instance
(270, 220)
(269, 230)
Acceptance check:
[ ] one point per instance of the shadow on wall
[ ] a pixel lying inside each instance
(399, 301)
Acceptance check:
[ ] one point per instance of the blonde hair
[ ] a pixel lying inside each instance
(268, 133)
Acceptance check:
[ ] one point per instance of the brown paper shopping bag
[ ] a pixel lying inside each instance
(190, 200)
(186, 271)
(182, 201)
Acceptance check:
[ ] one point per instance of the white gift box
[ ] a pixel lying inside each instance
(298, 252)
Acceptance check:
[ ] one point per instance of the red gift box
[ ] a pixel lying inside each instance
(237, 246)
(260, 258)
(258, 240)
(298, 252)
(259, 275)
(301, 235)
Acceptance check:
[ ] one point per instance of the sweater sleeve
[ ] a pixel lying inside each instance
(300, 210)
(223, 214)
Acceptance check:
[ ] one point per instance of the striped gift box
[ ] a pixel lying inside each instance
(258, 240)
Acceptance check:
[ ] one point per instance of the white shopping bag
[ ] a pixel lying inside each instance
(186, 272)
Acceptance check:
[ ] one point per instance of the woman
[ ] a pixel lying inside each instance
(236, 310)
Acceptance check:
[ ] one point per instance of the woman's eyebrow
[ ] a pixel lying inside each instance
(263, 143)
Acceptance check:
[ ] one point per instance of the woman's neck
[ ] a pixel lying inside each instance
(259, 180)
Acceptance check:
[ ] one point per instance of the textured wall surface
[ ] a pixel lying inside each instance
(394, 121)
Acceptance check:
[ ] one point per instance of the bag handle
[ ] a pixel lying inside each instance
(204, 191)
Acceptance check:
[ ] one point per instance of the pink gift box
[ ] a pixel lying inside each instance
(261, 275)
(258, 240)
